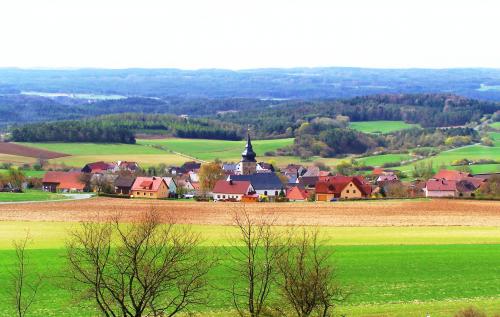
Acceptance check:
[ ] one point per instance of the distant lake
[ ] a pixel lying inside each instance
(75, 96)
(488, 87)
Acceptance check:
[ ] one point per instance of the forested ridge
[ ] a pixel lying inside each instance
(121, 128)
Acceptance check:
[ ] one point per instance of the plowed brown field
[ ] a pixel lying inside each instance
(21, 150)
(372, 213)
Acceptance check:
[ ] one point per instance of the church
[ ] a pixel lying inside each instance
(261, 176)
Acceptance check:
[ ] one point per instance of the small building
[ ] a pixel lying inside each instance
(231, 190)
(297, 194)
(172, 186)
(149, 187)
(123, 185)
(440, 188)
(99, 167)
(267, 184)
(54, 181)
(127, 166)
(451, 175)
(308, 182)
(342, 187)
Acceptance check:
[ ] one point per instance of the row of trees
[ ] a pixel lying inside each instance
(155, 268)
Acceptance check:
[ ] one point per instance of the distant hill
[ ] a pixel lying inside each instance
(294, 83)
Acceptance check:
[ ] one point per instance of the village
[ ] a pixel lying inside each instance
(252, 181)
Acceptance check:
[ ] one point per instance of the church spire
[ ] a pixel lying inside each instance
(248, 154)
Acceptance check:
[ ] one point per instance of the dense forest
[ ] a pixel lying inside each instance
(122, 127)
(428, 110)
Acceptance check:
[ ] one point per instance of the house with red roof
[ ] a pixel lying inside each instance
(297, 194)
(451, 175)
(98, 167)
(231, 190)
(342, 187)
(441, 188)
(63, 182)
(149, 187)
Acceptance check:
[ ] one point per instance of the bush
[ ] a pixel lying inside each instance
(470, 312)
(393, 164)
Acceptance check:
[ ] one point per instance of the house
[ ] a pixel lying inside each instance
(191, 166)
(440, 188)
(312, 171)
(127, 166)
(267, 184)
(308, 182)
(229, 168)
(342, 187)
(297, 194)
(263, 167)
(99, 167)
(451, 175)
(231, 190)
(63, 182)
(123, 184)
(386, 178)
(149, 187)
(172, 186)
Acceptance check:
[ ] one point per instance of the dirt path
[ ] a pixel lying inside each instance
(374, 213)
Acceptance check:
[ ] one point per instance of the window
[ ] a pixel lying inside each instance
(354, 191)
(276, 193)
(265, 192)
(224, 196)
(137, 193)
(350, 184)
(347, 191)
(144, 193)
(218, 196)
(150, 194)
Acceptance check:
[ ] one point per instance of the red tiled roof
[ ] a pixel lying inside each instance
(441, 185)
(335, 185)
(231, 187)
(296, 193)
(147, 183)
(451, 175)
(65, 180)
(99, 166)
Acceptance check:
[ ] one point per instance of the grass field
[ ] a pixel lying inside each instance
(175, 152)
(29, 195)
(390, 271)
(381, 126)
(495, 125)
(379, 160)
(210, 150)
(28, 173)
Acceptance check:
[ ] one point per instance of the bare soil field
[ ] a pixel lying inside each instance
(21, 150)
(368, 213)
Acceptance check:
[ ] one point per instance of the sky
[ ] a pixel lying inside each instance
(237, 34)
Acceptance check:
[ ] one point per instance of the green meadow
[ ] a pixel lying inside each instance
(381, 126)
(379, 160)
(209, 150)
(28, 173)
(29, 195)
(389, 271)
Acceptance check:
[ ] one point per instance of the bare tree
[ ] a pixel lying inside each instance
(253, 261)
(307, 281)
(25, 285)
(141, 269)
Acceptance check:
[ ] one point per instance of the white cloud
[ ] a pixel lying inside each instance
(247, 34)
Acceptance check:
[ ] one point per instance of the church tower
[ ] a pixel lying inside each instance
(248, 164)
